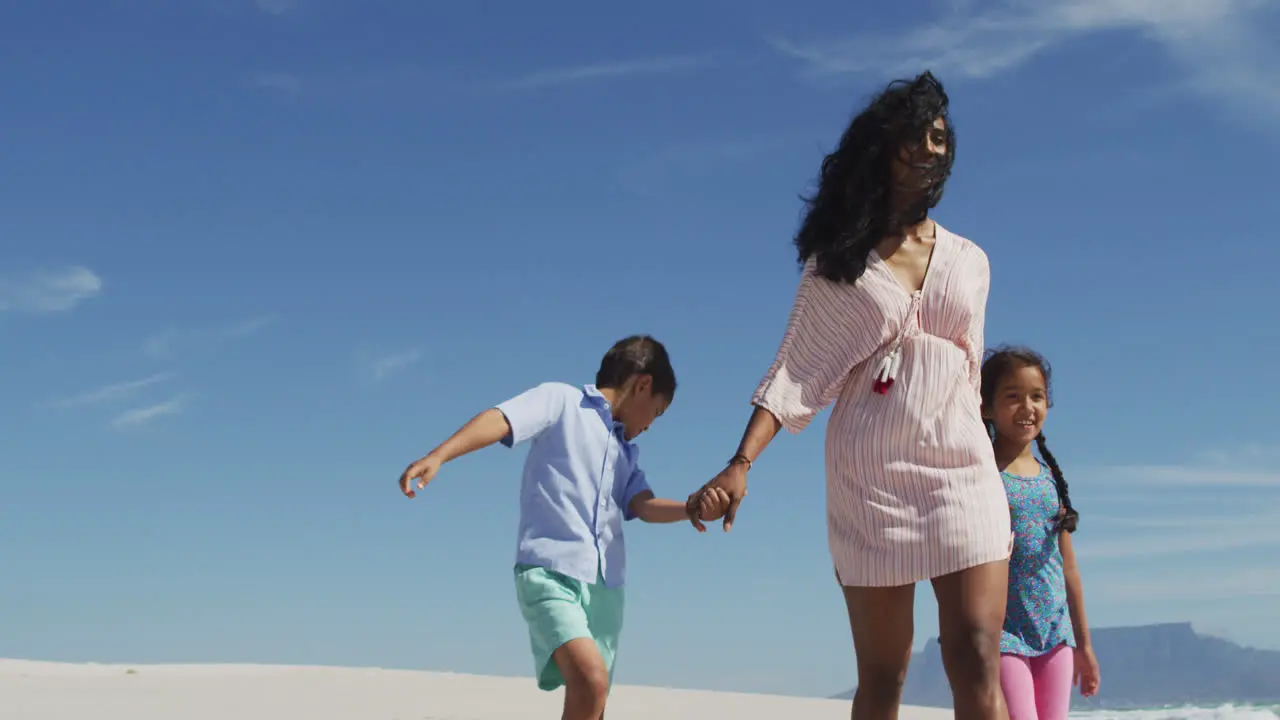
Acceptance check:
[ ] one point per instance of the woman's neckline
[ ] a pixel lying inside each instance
(938, 232)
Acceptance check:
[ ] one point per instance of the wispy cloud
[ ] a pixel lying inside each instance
(113, 391)
(149, 413)
(460, 85)
(1176, 476)
(1224, 46)
(283, 83)
(48, 291)
(558, 77)
(1208, 585)
(349, 82)
(653, 169)
(1250, 455)
(1181, 536)
(248, 327)
(166, 344)
(383, 366)
(1154, 512)
(276, 7)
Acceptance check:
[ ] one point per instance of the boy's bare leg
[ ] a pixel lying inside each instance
(586, 679)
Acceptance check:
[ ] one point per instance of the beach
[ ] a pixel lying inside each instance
(31, 690)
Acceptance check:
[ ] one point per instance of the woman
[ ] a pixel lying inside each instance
(888, 324)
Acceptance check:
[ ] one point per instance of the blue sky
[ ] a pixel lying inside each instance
(256, 257)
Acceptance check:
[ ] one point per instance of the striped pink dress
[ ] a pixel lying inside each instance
(913, 491)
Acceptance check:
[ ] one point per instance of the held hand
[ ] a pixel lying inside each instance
(726, 490)
(1087, 675)
(423, 471)
(707, 506)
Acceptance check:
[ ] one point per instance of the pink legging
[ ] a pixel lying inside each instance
(1037, 688)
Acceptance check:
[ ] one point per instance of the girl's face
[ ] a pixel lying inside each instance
(1019, 405)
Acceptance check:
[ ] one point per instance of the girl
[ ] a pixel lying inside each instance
(1044, 617)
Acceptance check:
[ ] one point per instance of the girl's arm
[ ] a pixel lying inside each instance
(1086, 673)
(1075, 592)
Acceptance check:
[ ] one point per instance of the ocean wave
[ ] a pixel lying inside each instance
(1221, 712)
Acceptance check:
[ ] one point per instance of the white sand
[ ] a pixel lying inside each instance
(32, 690)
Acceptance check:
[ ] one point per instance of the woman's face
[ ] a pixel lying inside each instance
(919, 163)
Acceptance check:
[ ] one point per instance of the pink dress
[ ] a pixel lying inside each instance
(913, 491)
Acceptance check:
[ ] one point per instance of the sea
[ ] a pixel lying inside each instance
(1186, 712)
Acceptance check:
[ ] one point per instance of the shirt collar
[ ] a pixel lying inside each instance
(597, 398)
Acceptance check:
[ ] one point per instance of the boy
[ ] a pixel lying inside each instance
(581, 481)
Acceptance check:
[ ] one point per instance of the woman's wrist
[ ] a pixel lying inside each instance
(740, 459)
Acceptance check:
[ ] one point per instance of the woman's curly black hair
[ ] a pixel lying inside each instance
(851, 211)
(1001, 362)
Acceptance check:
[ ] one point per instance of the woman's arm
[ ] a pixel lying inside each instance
(831, 329)
(975, 335)
(828, 332)
(762, 428)
(731, 482)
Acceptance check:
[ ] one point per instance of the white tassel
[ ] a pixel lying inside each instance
(886, 367)
(888, 371)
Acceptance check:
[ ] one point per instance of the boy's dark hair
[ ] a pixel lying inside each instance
(637, 355)
(1001, 362)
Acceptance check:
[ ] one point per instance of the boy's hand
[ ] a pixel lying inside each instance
(731, 482)
(710, 505)
(423, 471)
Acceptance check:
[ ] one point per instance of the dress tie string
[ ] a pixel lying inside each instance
(892, 360)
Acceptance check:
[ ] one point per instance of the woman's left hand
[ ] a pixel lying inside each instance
(726, 491)
(1087, 675)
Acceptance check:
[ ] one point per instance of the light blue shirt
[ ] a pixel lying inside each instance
(579, 479)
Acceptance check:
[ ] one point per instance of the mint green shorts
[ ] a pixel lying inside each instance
(558, 609)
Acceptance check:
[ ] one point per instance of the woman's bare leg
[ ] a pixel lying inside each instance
(971, 606)
(883, 624)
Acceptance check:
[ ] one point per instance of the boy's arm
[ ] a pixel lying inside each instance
(512, 422)
(1075, 592)
(655, 509)
(483, 430)
(641, 503)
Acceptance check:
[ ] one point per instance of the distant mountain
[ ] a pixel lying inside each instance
(1142, 667)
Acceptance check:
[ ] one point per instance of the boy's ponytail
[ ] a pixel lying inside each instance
(1069, 518)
